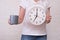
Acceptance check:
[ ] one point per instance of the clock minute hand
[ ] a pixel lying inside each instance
(37, 12)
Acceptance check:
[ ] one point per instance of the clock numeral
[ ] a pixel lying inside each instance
(37, 9)
(43, 16)
(30, 18)
(40, 9)
(42, 12)
(34, 15)
(36, 22)
(42, 19)
(33, 9)
(31, 12)
(29, 15)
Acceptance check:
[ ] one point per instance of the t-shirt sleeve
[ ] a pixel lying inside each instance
(22, 4)
(48, 4)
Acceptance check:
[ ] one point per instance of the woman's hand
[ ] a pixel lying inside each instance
(9, 22)
(48, 19)
(48, 16)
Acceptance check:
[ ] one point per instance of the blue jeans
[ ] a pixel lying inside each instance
(30, 37)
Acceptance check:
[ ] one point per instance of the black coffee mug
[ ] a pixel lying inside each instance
(13, 19)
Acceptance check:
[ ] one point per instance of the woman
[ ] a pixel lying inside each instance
(31, 32)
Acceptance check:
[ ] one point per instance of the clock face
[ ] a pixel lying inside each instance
(37, 15)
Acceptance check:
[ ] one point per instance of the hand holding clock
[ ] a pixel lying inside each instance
(48, 19)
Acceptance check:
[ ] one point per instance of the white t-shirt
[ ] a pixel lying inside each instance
(27, 28)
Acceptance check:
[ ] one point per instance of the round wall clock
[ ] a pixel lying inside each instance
(37, 15)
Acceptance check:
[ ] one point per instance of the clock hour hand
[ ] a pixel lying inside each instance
(35, 19)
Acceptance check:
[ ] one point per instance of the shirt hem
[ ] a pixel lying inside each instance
(35, 34)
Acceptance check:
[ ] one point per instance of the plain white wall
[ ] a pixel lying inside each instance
(54, 27)
(8, 32)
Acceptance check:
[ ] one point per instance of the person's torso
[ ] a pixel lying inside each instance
(28, 28)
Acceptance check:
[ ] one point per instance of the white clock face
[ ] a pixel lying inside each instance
(37, 15)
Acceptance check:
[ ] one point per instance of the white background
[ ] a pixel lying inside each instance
(8, 32)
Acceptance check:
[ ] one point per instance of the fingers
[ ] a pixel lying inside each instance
(9, 21)
(48, 19)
